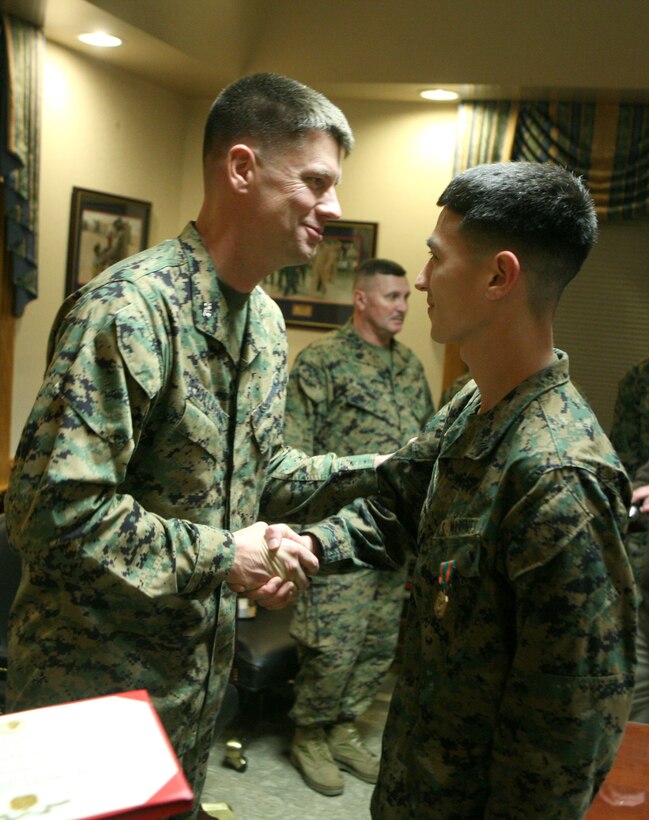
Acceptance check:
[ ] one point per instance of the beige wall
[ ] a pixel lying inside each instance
(105, 130)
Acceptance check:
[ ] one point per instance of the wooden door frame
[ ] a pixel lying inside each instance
(453, 365)
(7, 339)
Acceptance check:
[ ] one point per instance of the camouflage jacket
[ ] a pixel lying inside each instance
(342, 397)
(151, 440)
(638, 541)
(518, 656)
(630, 429)
(454, 387)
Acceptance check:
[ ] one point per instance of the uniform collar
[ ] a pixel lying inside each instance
(481, 433)
(209, 308)
(360, 346)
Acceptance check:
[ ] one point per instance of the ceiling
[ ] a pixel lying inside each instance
(369, 49)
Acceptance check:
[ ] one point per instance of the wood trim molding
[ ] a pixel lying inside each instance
(453, 365)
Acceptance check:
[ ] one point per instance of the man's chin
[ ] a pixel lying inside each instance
(438, 337)
(303, 255)
(443, 338)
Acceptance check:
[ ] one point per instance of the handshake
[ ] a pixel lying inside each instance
(272, 563)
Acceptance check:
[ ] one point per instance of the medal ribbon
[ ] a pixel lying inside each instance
(446, 572)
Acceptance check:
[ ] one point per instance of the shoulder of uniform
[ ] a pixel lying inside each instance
(139, 323)
(637, 372)
(152, 261)
(407, 353)
(327, 345)
(266, 318)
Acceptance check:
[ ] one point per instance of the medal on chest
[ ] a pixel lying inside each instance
(441, 602)
(446, 573)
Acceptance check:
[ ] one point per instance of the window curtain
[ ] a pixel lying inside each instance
(607, 144)
(21, 58)
(484, 133)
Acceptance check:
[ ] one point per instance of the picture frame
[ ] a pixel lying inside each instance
(104, 228)
(318, 294)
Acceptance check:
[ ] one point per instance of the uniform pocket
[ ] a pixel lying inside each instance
(188, 455)
(200, 429)
(448, 575)
(459, 540)
(266, 423)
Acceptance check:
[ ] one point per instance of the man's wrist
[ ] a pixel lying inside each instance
(314, 544)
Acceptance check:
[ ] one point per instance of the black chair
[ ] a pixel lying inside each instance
(10, 571)
(265, 655)
(265, 661)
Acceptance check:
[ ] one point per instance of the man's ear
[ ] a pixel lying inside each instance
(242, 163)
(504, 273)
(360, 299)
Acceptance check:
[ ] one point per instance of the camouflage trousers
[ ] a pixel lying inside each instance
(638, 549)
(640, 706)
(347, 627)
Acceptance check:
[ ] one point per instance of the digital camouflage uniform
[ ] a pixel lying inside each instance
(150, 441)
(454, 387)
(638, 546)
(513, 692)
(630, 429)
(342, 395)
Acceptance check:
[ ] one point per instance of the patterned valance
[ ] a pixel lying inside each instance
(485, 133)
(606, 143)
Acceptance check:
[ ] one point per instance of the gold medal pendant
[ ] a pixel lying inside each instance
(441, 602)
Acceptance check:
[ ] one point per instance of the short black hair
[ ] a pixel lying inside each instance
(541, 210)
(274, 111)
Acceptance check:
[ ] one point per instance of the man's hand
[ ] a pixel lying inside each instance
(640, 498)
(278, 593)
(268, 552)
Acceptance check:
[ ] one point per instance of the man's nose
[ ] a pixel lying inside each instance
(421, 282)
(329, 205)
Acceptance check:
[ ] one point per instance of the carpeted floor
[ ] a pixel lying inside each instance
(271, 788)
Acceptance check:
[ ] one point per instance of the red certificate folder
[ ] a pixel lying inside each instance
(102, 757)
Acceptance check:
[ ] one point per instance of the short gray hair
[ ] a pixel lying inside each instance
(372, 267)
(272, 110)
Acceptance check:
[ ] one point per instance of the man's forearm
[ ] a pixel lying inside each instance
(303, 489)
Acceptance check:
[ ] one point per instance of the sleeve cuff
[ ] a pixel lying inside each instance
(214, 557)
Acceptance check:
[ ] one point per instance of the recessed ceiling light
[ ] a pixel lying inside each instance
(438, 95)
(98, 38)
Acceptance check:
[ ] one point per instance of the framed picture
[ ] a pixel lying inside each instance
(103, 229)
(319, 294)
